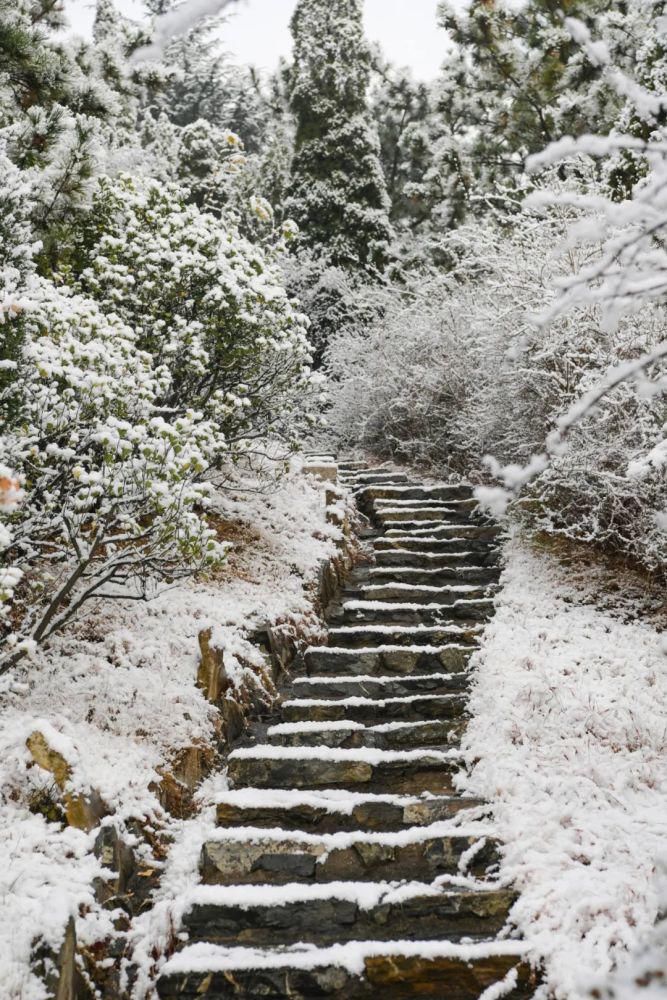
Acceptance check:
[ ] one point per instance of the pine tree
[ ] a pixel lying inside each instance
(337, 194)
(516, 80)
(402, 109)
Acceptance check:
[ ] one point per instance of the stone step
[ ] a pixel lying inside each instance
(443, 492)
(457, 567)
(350, 734)
(440, 527)
(387, 658)
(398, 970)
(418, 503)
(403, 591)
(425, 573)
(252, 856)
(368, 710)
(489, 533)
(268, 915)
(352, 466)
(429, 515)
(368, 686)
(359, 480)
(333, 810)
(363, 769)
(455, 551)
(400, 591)
(397, 613)
(454, 636)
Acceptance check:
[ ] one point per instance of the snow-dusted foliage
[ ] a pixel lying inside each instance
(112, 504)
(337, 194)
(454, 369)
(207, 304)
(157, 343)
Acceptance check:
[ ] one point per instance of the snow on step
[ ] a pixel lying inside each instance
(331, 799)
(362, 605)
(352, 957)
(361, 700)
(362, 755)
(395, 503)
(410, 588)
(365, 895)
(287, 728)
(433, 531)
(477, 832)
(372, 678)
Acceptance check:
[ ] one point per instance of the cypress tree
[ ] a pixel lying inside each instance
(337, 193)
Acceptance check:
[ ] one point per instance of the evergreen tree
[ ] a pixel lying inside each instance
(402, 109)
(516, 80)
(337, 194)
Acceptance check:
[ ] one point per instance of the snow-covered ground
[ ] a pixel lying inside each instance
(570, 738)
(116, 697)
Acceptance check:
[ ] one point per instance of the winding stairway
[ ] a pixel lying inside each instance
(345, 864)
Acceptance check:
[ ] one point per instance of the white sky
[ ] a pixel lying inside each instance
(257, 33)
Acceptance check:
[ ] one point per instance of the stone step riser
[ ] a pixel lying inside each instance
(401, 663)
(412, 777)
(328, 921)
(455, 683)
(446, 708)
(428, 576)
(391, 977)
(367, 816)
(257, 862)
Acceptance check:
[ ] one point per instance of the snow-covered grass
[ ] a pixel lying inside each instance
(569, 735)
(116, 697)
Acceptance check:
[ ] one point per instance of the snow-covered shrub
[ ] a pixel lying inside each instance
(113, 504)
(455, 368)
(208, 305)
(10, 497)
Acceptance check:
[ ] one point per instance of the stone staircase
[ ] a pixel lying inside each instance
(345, 864)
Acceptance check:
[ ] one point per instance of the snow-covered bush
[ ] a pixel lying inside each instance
(455, 368)
(113, 504)
(208, 305)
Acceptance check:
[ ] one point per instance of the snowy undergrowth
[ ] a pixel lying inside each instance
(116, 696)
(569, 734)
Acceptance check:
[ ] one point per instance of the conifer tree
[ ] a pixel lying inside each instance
(515, 80)
(337, 194)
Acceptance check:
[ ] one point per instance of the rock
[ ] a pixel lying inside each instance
(119, 858)
(325, 471)
(83, 812)
(211, 675)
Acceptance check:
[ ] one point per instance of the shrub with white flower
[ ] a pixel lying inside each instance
(208, 305)
(114, 503)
